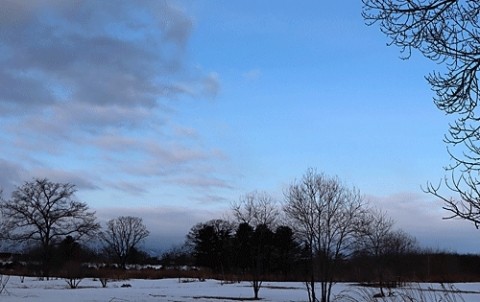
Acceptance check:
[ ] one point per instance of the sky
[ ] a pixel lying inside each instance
(172, 110)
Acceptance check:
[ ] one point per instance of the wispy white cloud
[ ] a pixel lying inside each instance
(203, 182)
(188, 132)
(212, 199)
(252, 75)
(211, 84)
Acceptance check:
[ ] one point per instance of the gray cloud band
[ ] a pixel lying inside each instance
(80, 74)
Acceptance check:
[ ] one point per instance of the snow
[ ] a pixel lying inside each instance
(181, 290)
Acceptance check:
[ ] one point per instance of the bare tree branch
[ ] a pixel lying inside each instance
(257, 208)
(447, 32)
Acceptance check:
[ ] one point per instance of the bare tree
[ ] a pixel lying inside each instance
(400, 242)
(377, 239)
(46, 212)
(448, 32)
(122, 235)
(326, 216)
(375, 232)
(256, 208)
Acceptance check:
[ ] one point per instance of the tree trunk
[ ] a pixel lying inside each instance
(46, 259)
(256, 284)
(311, 289)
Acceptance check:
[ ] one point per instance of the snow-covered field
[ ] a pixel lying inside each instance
(33, 289)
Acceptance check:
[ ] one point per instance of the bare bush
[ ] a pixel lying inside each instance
(104, 282)
(73, 282)
(73, 273)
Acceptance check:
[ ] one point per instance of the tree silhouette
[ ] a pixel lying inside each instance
(122, 235)
(211, 244)
(325, 215)
(46, 212)
(447, 32)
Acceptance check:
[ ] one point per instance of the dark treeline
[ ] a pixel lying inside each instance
(416, 266)
(219, 249)
(68, 257)
(243, 252)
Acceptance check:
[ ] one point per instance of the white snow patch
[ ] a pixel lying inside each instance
(55, 290)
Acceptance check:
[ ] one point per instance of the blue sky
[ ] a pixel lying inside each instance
(171, 110)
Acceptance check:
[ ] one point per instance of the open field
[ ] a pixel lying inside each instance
(183, 290)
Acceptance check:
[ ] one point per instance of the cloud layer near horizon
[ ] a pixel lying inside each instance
(89, 92)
